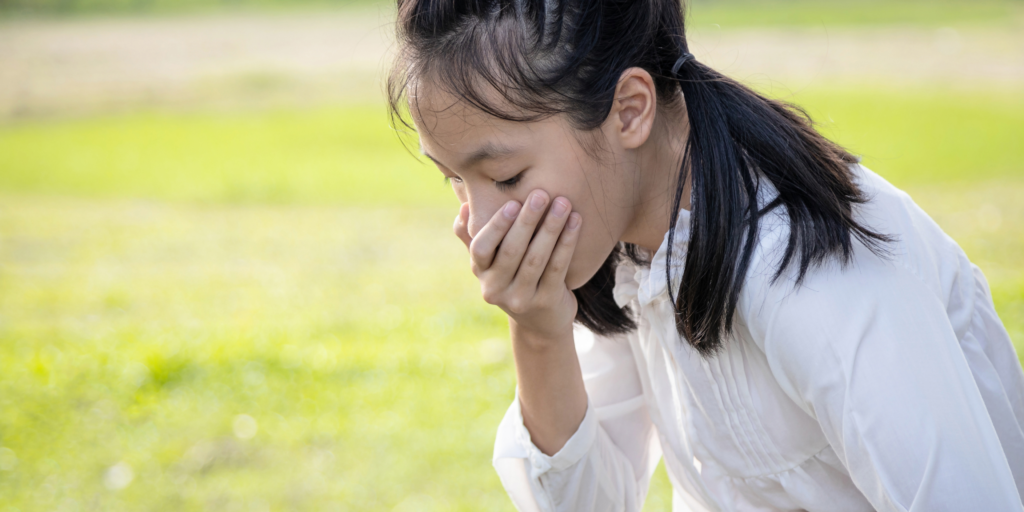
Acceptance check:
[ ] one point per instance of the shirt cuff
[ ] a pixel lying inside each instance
(572, 452)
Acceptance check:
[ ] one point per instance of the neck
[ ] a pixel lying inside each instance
(657, 164)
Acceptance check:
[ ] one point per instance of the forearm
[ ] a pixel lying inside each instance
(551, 393)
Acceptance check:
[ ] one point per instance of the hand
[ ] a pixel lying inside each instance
(524, 277)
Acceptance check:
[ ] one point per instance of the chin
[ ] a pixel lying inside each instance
(585, 264)
(580, 272)
(574, 284)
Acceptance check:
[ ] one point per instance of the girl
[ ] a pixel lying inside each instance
(691, 271)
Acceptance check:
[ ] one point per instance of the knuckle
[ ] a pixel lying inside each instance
(533, 261)
(556, 266)
(490, 296)
(516, 305)
(477, 251)
(507, 251)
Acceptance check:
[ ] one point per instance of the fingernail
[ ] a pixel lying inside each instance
(559, 208)
(537, 202)
(574, 221)
(512, 209)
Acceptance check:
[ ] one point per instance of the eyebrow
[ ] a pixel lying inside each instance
(487, 151)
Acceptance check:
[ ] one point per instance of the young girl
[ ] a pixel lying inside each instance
(691, 271)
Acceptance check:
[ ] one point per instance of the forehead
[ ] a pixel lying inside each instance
(452, 127)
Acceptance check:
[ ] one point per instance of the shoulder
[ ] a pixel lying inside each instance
(919, 250)
(821, 324)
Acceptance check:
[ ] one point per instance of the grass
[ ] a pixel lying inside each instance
(326, 156)
(351, 156)
(916, 137)
(137, 333)
(266, 310)
(723, 13)
(802, 13)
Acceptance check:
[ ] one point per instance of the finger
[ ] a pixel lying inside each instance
(486, 242)
(513, 246)
(553, 278)
(539, 251)
(461, 226)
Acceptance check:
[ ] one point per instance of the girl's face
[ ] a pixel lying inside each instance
(491, 161)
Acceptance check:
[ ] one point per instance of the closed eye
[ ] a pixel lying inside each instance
(510, 183)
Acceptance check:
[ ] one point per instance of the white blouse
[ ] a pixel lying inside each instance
(889, 385)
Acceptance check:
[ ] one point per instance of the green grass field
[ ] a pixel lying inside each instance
(724, 13)
(351, 156)
(265, 310)
(168, 279)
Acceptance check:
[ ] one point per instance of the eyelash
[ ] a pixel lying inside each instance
(508, 184)
(503, 186)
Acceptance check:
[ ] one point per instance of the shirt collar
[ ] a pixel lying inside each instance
(648, 284)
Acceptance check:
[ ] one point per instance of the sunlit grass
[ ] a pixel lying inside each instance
(329, 156)
(267, 310)
(349, 155)
(139, 334)
(920, 136)
(135, 333)
(816, 13)
(723, 13)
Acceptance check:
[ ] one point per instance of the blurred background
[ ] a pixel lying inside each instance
(225, 285)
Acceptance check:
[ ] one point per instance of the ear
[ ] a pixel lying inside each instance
(632, 114)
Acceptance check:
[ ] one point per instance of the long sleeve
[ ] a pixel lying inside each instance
(607, 464)
(870, 352)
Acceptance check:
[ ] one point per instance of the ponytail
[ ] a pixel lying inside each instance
(736, 137)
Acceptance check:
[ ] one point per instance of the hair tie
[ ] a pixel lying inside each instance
(683, 59)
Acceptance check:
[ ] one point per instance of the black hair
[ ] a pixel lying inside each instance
(565, 57)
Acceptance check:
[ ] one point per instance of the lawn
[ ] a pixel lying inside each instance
(265, 310)
(723, 13)
(144, 334)
(351, 156)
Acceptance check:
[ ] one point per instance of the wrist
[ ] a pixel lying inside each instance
(536, 339)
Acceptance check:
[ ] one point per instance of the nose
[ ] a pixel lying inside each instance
(479, 214)
(483, 204)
